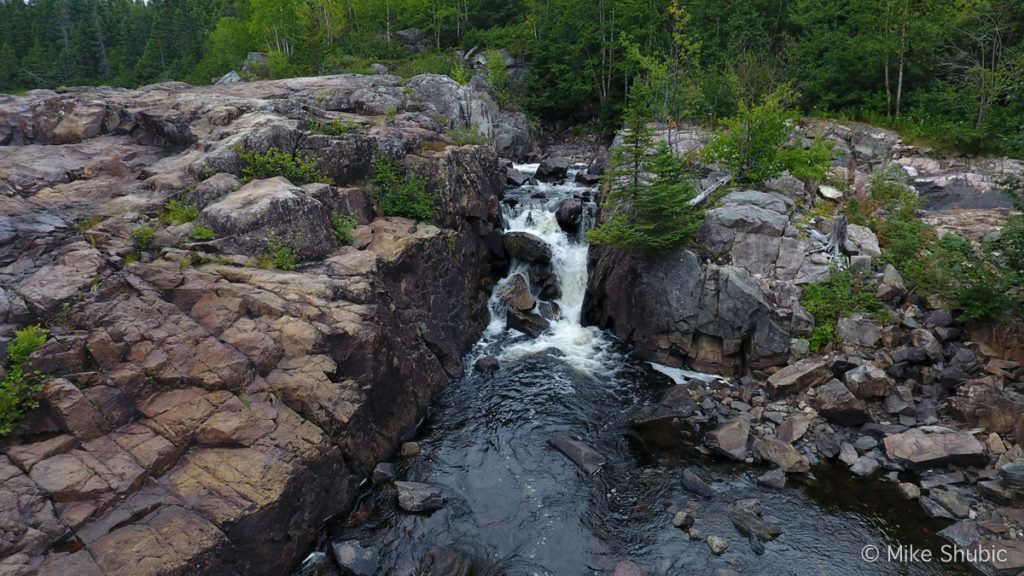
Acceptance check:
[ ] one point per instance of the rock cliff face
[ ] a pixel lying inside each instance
(201, 415)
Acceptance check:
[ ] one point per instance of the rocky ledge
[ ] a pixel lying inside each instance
(201, 415)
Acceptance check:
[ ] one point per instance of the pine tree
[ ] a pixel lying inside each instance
(649, 192)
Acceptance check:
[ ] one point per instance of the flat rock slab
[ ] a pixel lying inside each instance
(417, 497)
(586, 458)
(934, 446)
(797, 377)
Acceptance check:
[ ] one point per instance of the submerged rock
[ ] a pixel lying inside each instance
(417, 497)
(444, 562)
(487, 364)
(528, 323)
(354, 559)
(695, 484)
(586, 458)
(746, 515)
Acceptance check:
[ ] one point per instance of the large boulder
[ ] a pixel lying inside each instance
(932, 446)
(836, 403)
(527, 247)
(553, 169)
(266, 211)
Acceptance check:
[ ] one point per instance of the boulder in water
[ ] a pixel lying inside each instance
(553, 170)
(354, 559)
(515, 293)
(570, 215)
(514, 178)
(746, 516)
(487, 364)
(526, 322)
(417, 497)
(527, 247)
(695, 484)
(588, 178)
(586, 458)
(717, 545)
(383, 473)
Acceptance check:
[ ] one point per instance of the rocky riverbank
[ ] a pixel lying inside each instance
(202, 415)
(919, 399)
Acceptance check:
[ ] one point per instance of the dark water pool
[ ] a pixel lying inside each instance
(516, 506)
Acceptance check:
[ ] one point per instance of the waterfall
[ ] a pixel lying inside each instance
(582, 347)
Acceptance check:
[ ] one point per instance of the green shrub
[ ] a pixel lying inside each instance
(343, 225)
(18, 390)
(278, 254)
(331, 127)
(143, 236)
(751, 146)
(842, 295)
(467, 136)
(88, 224)
(297, 169)
(203, 234)
(401, 193)
(178, 212)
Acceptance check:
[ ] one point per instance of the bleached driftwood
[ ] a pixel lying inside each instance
(707, 192)
(835, 244)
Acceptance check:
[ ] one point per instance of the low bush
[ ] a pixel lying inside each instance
(19, 388)
(842, 295)
(279, 254)
(467, 136)
(297, 169)
(401, 193)
(331, 127)
(178, 212)
(343, 225)
(143, 236)
(203, 234)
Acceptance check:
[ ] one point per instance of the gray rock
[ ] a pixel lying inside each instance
(769, 201)
(865, 444)
(782, 455)
(354, 559)
(586, 458)
(552, 169)
(865, 466)
(797, 377)
(858, 332)
(528, 323)
(717, 545)
(730, 439)
(864, 239)
(440, 561)
(682, 520)
(569, 215)
(417, 497)
(383, 473)
(695, 484)
(793, 429)
(963, 533)
(848, 454)
(527, 247)
(951, 501)
(837, 404)
(1012, 474)
(868, 381)
(933, 446)
(515, 178)
(773, 479)
(933, 509)
(891, 277)
(909, 491)
(746, 515)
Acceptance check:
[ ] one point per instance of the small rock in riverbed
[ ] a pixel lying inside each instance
(782, 455)
(682, 520)
(695, 484)
(746, 516)
(694, 534)
(773, 479)
(847, 454)
(444, 562)
(487, 365)
(909, 491)
(864, 466)
(793, 429)
(717, 545)
(355, 559)
(756, 546)
(586, 458)
(409, 449)
(417, 497)
(383, 473)
(528, 323)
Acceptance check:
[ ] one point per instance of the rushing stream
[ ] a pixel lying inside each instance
(515, 505)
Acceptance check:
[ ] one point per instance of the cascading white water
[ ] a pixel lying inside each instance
(585, 348)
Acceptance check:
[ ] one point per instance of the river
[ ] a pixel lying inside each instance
(516, 506)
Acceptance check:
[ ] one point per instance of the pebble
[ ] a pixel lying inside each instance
(717, 545)
(682, 520)
(409, 449)
(909, 491)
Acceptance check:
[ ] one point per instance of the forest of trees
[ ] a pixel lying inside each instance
(946, 71)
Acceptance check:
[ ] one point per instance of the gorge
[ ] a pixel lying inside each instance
(238, 404)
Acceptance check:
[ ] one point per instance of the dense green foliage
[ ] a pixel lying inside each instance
(751, 146)
(976, 281)
(401, 192)
(649, 193)
(343, 226)
(203, 234)
(947, 72)
(143, 236)
(842, 295)
(297, 169)
(19, 388)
